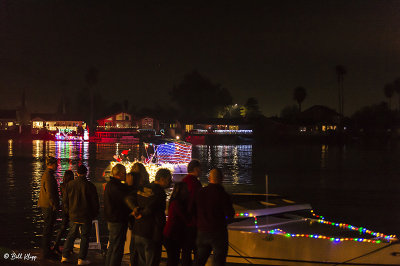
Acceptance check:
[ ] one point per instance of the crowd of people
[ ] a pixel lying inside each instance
(196, 221)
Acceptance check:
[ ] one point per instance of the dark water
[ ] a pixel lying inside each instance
(359, 185)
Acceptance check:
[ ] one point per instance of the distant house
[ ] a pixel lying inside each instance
(8, 119)
(118, 127)
(218, 126)
(54, 123)
(319, 119)
(120, 120)
(170, 128)
(148, 123)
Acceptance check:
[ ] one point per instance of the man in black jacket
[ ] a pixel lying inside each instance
(81, 202)
(116, 213)
(49, 203)
(149, 224)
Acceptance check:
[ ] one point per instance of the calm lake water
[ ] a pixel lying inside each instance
(359, 185)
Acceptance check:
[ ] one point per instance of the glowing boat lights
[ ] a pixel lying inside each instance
(150, 167)
(321, 219)
(168, 154)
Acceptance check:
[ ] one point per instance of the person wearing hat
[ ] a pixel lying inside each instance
(49, 203)
(81, 202)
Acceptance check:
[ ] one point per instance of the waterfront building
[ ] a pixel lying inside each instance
(218, 130)
(220, 126)
(318, 120)
(8, 120)
(48, 125)
(121, 120)
(119, 127)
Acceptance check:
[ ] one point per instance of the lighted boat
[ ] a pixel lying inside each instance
(270, 230)
(165, 153)
(67, 135)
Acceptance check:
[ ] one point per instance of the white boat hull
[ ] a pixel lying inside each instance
(264, 249)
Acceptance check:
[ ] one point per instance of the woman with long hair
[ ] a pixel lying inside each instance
(141, 170)
(177, 220)
(68, 176)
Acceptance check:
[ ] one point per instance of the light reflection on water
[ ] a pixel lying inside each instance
(324, 156)
(38, 148)
(10, 148)
(336, 181)
(234, 160)
(25, 163)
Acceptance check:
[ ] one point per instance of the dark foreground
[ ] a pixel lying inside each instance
(32, 257)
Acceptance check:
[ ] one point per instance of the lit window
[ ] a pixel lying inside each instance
(188, 128)
(323, 128)
(10, 124)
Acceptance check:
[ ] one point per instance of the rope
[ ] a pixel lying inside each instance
(239, 253)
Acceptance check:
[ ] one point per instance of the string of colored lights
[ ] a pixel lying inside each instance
(321, 219)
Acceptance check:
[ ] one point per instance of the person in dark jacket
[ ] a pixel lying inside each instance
(174, 236)
(149, 223)
(81, 202)
(136, 179)
(133, 181)
(68, 176)
(49, 203)
(194, 185)
(214, 212)
(116, 213)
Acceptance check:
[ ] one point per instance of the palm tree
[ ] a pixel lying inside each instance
(299, 95)
(91, 78)
(389, 91)
(340, 72)
(397, 89)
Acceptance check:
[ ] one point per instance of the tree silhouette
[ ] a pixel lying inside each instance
(100, 108)
(289, 113)
(252, 108)
(397, 90)
(375, 118)
(299, 95)
(91, 78)
(197, 97)
(389, 91)
(340, 72)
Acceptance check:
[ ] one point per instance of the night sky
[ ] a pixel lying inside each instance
(261, 49)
